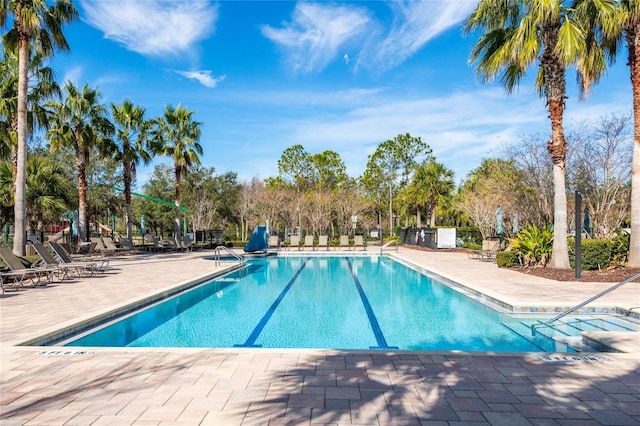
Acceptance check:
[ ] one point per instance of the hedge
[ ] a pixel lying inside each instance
(596, 254)
(506, 259)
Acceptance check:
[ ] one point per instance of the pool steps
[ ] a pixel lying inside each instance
(577, 333)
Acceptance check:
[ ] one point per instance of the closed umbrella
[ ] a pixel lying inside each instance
(75, 226)
(516, 229)
(587, 221)
(142, 226)
(500, 226)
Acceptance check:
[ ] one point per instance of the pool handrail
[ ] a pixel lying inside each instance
(394, 242)
(237, 256)
(575, 308)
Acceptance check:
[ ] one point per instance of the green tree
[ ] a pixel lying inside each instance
(128, 147)
(79, 121)
(327, 170)
(432, 186)
(48, 191)
(41, 23)
(519, 34)
(176, 135)
(392, 157)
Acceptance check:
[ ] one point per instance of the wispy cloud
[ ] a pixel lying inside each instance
(73, 75)
(415, 23)
(153, 27)
(316, 34)
(204, 77)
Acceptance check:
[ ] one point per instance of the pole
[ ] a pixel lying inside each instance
(578, 238)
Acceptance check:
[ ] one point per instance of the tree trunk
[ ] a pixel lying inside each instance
(81, 168)
(390, 209)
(178, 227)
(20, 199)
(633, 43)
(419, 218)
(127, 199)
(557, 148)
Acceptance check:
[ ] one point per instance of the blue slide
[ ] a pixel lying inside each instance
(258, 241)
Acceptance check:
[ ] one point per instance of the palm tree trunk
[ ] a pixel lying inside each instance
(127, 200)
(82, 197)
(178, 233)
(557, 148)
(632, 35)
(20, 199)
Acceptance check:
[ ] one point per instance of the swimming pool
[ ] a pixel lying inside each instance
(333, 302)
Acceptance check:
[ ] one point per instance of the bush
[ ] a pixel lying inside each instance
(596, 254)
(469, 234)
(620, 248)
(534, 245)
(506, 259)
(472, 246)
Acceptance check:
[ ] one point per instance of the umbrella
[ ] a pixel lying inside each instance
(75, 226)
(587, 221)
(500, 226)
(515, 223)
(142, 223)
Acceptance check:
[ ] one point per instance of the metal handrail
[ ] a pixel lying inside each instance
(388, 244)
(217, 253)
(586, 302)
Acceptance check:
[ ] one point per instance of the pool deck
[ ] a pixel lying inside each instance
(139, 386)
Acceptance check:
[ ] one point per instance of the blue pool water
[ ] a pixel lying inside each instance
(317, 302)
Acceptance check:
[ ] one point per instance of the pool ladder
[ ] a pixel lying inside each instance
(394, 242)
(218, 254)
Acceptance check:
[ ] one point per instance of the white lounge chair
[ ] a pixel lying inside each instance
(344, 242)
(308, 242)
(323, 241)
(295, 241)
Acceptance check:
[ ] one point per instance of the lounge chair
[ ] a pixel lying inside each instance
(323, 241)
(98, 265)
(308, 242)
(358, 241)
(49, 261)
(19, 272)
(344, 242)
(128, 246)
(295, 241)
(111, 246)
(274, 241)
(186, 243)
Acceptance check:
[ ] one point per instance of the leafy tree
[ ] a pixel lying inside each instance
(129, 147)
(159, 216)
(327, 170)
(176, 135)
(392, 157)
(519, 34)
(79, 121)
(48, 191)
(41, 23)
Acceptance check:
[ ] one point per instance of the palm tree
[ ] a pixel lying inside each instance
(48, 190)
(129, 146)
(432, 186)
(80, 122)
(521, 33)
(176, 135)
(41, 23)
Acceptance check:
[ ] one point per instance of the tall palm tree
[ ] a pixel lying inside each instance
(176, 135)
(519, 34)
(38, 22)
(626, 25)
(48, 190)
(432, 186)
(79, 121)
(129, 146)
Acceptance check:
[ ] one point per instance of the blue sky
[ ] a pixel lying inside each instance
(345, 76)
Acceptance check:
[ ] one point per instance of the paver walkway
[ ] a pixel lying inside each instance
(121, 386)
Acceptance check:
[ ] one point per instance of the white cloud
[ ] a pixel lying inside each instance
(204, 77)
(316, 34)
(73, 75)
(153, 27)
(415, 24)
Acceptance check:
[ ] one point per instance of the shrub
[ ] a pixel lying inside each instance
(620, 248)
(391, 238)
(473, 246)
(534, 245)
(506, 259)
(596, 254)
(469, 234)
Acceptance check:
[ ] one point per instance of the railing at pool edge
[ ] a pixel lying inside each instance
(388, 244)
(586, 302)
(218, 251)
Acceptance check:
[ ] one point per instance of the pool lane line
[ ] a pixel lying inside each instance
(373, 320)
(251, 341)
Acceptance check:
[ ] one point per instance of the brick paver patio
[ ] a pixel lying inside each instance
(122, 386)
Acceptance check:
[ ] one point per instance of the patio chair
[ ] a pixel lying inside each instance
(186, 243)
(19, 272)
(308, 242)
(128, 246)
(344, 242)
(358, 241)
(111, 246)
(48, 260)
(323, 241)
(295, 241)
(98, 265)
(274, 242)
